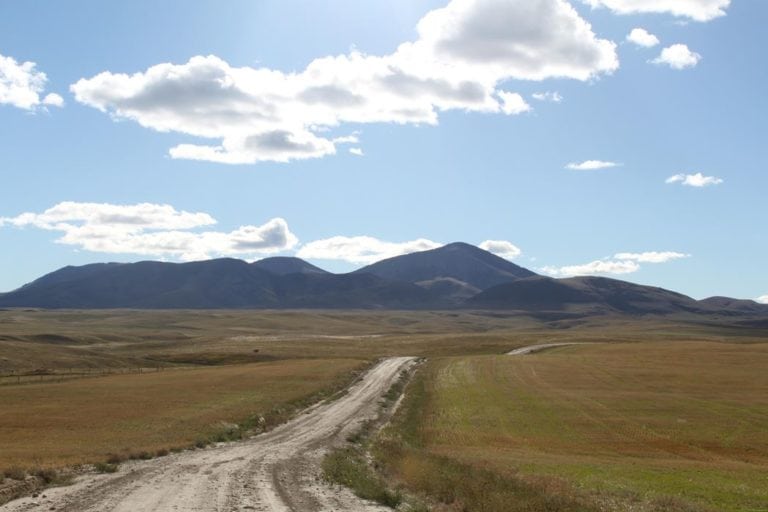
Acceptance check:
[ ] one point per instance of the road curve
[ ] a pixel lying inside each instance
(530, 349)
(276, 471)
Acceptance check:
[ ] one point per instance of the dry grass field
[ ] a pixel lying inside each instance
(666, 408)
(654, 426)
(86, 420)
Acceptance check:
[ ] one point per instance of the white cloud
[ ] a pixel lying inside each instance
(642, 37)
(694, 180)
(763, 299)
(698, 10)
(361, 249)
(620, 263)
(462, 53)
(651, 256)
(554, 97)
(506, 250)
(512, 103)
(591, 165)
(593, 268)
(677, 56)
(356, 151)
(153, 230)
(53, 100)
(21, 85)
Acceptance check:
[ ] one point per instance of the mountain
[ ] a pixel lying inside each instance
(451, 277)
(215, 284)
(282, 265)
(452, 273)
(735, 305)
(221, 283)
(584, 294)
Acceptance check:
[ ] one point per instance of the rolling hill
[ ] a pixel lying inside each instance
(457, 275)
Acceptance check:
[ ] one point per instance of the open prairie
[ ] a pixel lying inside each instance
(86, 420)
(652, 426)
(659, 407)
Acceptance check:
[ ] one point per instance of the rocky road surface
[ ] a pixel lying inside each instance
(276, 471)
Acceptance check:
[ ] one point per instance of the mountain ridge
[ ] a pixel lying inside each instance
(455, 276)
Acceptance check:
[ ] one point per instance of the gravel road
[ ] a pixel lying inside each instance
(275, 471)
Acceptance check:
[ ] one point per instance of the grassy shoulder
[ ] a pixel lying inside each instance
(657, 427)
(117, 417)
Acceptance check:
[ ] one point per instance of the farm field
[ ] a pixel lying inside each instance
(85, 420)
(653, 426)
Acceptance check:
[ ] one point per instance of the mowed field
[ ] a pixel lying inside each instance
(85, 420)
(652, 426)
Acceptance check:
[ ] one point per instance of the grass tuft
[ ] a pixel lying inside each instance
(348, 467)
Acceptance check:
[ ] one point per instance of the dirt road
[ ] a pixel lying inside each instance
(276, 471)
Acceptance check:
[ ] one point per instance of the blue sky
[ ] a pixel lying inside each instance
(177, 130)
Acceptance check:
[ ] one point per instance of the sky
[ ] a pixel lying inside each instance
(622, 138)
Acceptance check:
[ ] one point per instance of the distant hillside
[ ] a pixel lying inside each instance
(582, 294)
(454, 276)
(214, 284)
(282, 265)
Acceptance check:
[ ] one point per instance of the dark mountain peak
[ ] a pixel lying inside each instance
(461, 261)
(283, 265)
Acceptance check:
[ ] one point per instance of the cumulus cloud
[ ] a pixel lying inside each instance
(462, 53)
(21, 85)
(620, 263)
(697, 180)
(153, 230)
(357, 151)
(642, 37)
(591, 165)
(506, 250)
(512, 103)
(677, 56)
(554, 97)
(763, 299)
(698, 10)
(362, 250)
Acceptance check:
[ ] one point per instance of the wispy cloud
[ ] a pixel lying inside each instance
(22, 85)
(502, 248)
(462, 53)
(651, 256)
(697, 10)
(361, 249)
(551, 96)
(596, 267)
(591, 165)
(697, 180)
(153, 230)
(618, 264)
(677, 56)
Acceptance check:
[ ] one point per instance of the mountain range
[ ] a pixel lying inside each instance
(454, 276)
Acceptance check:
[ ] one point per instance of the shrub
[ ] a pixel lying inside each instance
(15, 473)
(105, 467)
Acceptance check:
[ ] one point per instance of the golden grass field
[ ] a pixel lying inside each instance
(667, 407)
(622, 427)
(85, 420)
